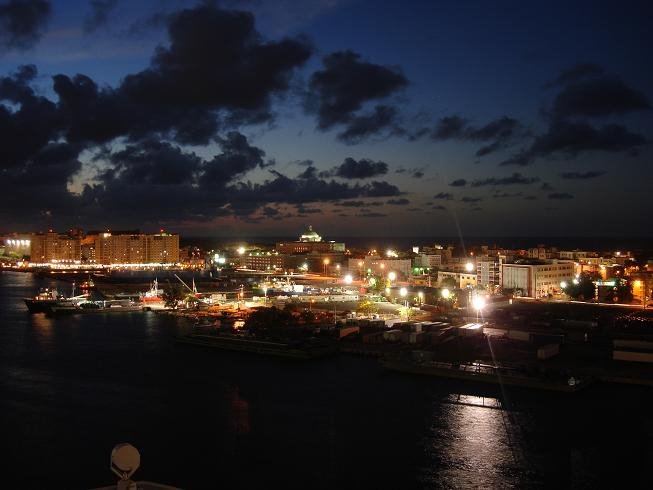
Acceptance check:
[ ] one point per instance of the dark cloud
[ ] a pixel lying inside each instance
(515, 179)
(449, 127)
(458, 183)
(416, 173)
(568, 139)
(371, 214)
(546, 186)
(155, 179)
(471, 199)
(99, 15)
(33, 123)
(345, 84)
(192, 88)
(151, 162)
(581, 175)
(439, 207)
(304, 163)
(309, 173)
(381, 189)
(398, 202)
(503, 194)
(22, 22)
(575, 73)
(361, 169)
(216, 71)
(499, 133)
(598, 97)
(353, 204)
(530, 198)
(362, 127)
(444, 195)
(237, 158)
(306, 210)
(270, 212)
(560, 195)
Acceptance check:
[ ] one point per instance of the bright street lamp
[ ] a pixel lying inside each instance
(326, 263)
(445, 293)
(403, 292)
(265, 293)
(478, 303)
(392, 275)
(420, 295)
(348, 279)
(469, 266)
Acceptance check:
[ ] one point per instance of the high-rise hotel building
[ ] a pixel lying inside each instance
(106, 248)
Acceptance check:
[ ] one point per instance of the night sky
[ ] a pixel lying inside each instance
(394, 118)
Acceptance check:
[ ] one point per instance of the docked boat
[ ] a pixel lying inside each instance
(87, 307)
(300, 350)
(485, 373)
(47, 299)
(153, 299)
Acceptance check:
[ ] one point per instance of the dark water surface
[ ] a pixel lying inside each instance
(73, 387)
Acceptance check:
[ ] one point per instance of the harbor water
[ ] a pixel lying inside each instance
(72, 387)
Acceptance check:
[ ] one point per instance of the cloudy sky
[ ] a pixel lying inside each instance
(394, 118)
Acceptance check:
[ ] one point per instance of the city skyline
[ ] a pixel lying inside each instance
(257, 119)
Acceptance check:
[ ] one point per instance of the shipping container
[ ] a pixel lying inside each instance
(519, 335)
(345, 331)
(633, 356)
(547, 351)
(416, 337)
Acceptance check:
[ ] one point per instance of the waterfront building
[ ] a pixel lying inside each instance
(54, 247)
(136, 248)
(537, 279)
(88, 249)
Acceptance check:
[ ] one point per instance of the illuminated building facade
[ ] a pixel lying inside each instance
(136, 248)
(461, 279)
(264, 261)
(54, 247)
(309, 242)
(488, 271)
(537, 280)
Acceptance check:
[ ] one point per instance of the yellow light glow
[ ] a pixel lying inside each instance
(478, 303)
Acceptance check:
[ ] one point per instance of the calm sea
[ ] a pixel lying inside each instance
(73, 387)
